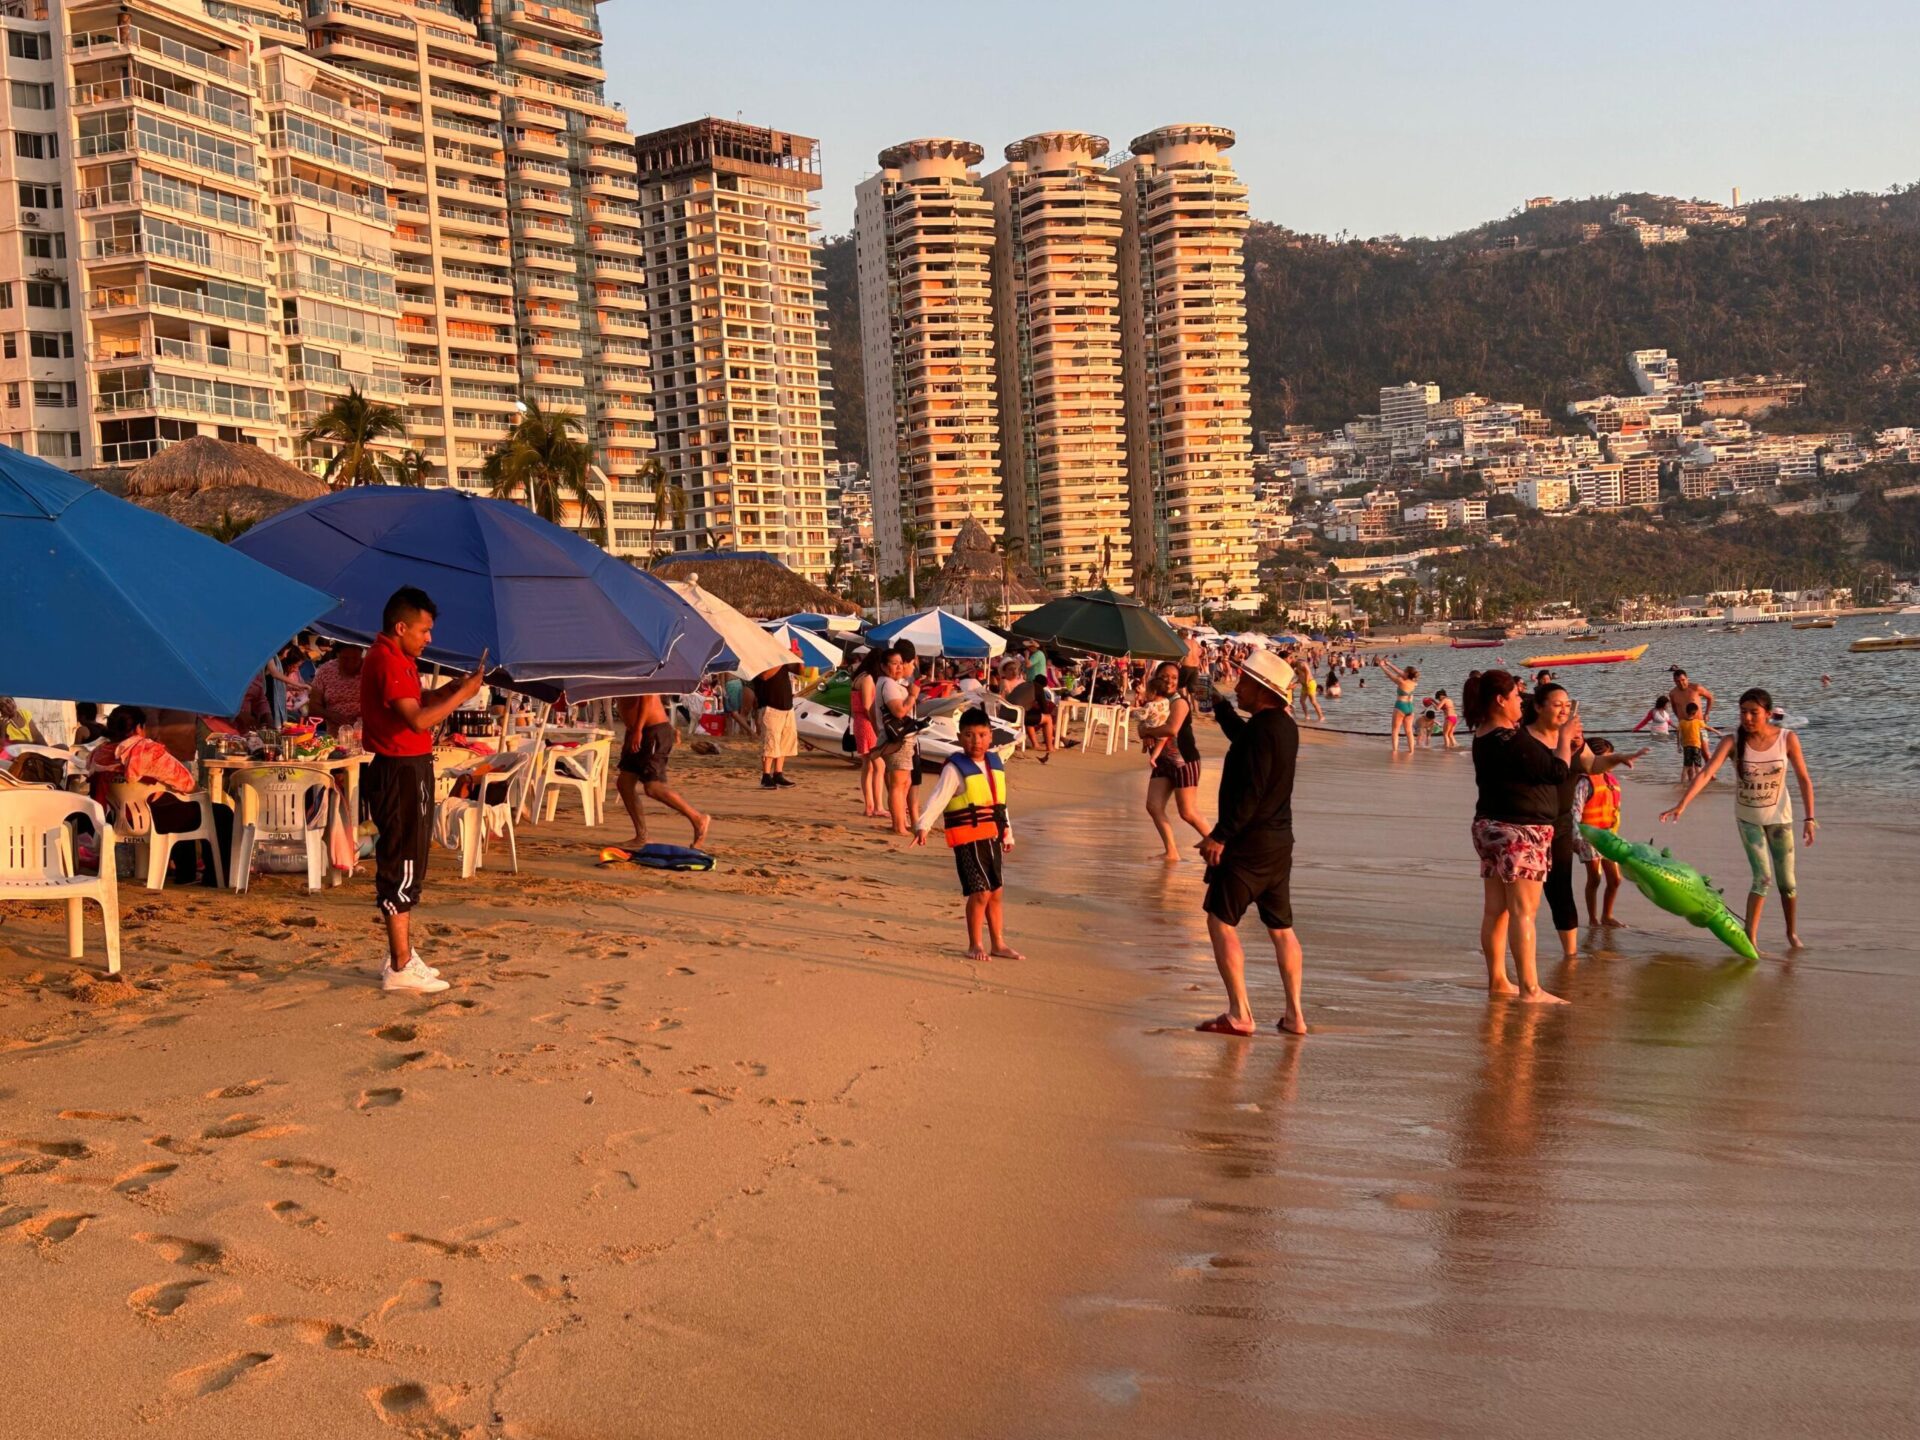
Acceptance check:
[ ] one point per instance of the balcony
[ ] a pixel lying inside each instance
(130, 39)
(142, 247)
(166, 297)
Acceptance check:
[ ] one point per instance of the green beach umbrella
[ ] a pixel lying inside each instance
(1101, 622)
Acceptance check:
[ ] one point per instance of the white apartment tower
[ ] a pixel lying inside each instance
(1183, 316)
(1404, 410)
(738, 345)
(1057, 332)
(244, 207)
(923, 232)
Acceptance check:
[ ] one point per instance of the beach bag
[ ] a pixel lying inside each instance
(658, 857)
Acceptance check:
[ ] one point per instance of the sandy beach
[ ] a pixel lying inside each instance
(758, 1152)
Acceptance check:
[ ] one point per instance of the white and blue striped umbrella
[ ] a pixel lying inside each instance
(936, 632)
(814, 653)
(821, 624)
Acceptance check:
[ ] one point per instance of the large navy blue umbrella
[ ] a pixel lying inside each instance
(554, 611)
(106, 601)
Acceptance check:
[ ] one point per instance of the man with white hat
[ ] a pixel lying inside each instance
(1249, 852)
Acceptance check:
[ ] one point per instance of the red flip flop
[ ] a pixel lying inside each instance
(1223, 1025)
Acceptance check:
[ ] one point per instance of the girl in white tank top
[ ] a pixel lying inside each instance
(1761, 796)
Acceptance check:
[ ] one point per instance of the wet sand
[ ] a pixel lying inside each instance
(758, 1152)
(1684, 1205)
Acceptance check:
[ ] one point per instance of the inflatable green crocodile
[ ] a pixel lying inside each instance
(1675, 886)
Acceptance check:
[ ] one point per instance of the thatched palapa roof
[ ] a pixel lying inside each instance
(205, 482)
(975, 577)
(754, 583)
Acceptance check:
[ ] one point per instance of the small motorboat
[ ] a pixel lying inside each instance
(1585, 657)
(1886, 642)
(1822, 624)
(1458, 644)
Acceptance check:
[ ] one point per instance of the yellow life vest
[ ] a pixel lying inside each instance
(1602, 810)
(978, 809)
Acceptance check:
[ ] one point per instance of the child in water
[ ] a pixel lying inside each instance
(1596, 800)
(970, 797)
(1449, 719)
(1423, 729)
(1693, 742)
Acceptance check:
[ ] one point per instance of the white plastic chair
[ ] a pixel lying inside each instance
(577, 769)
(1116, 720)
(272, 806)
(473, 814)
(36, 863)
(129, 799)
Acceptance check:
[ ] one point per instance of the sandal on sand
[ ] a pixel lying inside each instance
(1223, 1025)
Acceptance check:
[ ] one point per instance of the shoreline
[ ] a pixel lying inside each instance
(764, 1147)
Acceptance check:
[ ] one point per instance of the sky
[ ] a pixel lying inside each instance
(1369, 117)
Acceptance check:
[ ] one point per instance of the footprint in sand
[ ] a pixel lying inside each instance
(217, 1375)
(378, 1099)
(462, 1244)
(157, 1302)
(542, 1288)
(51, 1230)
(14, 1215)
(174, 1145)
(240, 1091)
(52, 1149)
(312, 1169)
(179, 1250)
(234, 1126)
(117, 1117)
(323, 1333)
(399, 1032)
(417, 1295)
(411, 1407)
(292, 1212)
(143, 1178)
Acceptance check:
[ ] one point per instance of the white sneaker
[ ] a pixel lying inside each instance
(416, 979)
(414, 959)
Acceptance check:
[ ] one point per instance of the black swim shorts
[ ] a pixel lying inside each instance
(979, 864)
(1231, 889)
(648, 760)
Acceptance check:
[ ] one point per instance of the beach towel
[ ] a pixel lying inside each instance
(658, 857)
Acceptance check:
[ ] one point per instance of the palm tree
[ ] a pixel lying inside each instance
(913, 536)
(542, 464)
(410, 468)
(353, 425)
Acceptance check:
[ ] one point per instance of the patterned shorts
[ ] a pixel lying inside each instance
(1512, 852)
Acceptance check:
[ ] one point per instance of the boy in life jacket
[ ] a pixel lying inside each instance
(970, 798)
(1597, 802)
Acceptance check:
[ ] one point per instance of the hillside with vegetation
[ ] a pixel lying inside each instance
(1826, 290)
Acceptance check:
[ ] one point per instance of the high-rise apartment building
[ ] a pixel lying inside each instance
(220, 214)
(738, 344)
(1404, 410)
(923, 233)
(1183, 315)
(1057, 334)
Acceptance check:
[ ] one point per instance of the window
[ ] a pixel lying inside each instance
(6, 294)
(10, 347)
(55, 395)
(13, 397)
(49, 345)
(32, 95)
(38, 197)
(29, 45)
(48, 294)
(32, 145)
(47, 247)
(56, 444)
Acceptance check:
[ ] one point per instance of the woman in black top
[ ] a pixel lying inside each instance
(1176, 774)
(1549, 714)
(1519, 777)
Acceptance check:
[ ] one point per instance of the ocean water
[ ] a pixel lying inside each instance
(1858, 733)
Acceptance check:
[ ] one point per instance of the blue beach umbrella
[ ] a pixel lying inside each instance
(814, 653)
(821, 624)
(554, 611)
(109, 602)
(937, 632)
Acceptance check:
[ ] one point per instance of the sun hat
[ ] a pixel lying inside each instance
(1270, 670)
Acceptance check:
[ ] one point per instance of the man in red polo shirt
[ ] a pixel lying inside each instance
(398, 722)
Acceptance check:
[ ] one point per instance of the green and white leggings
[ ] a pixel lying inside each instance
(1769, 856)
